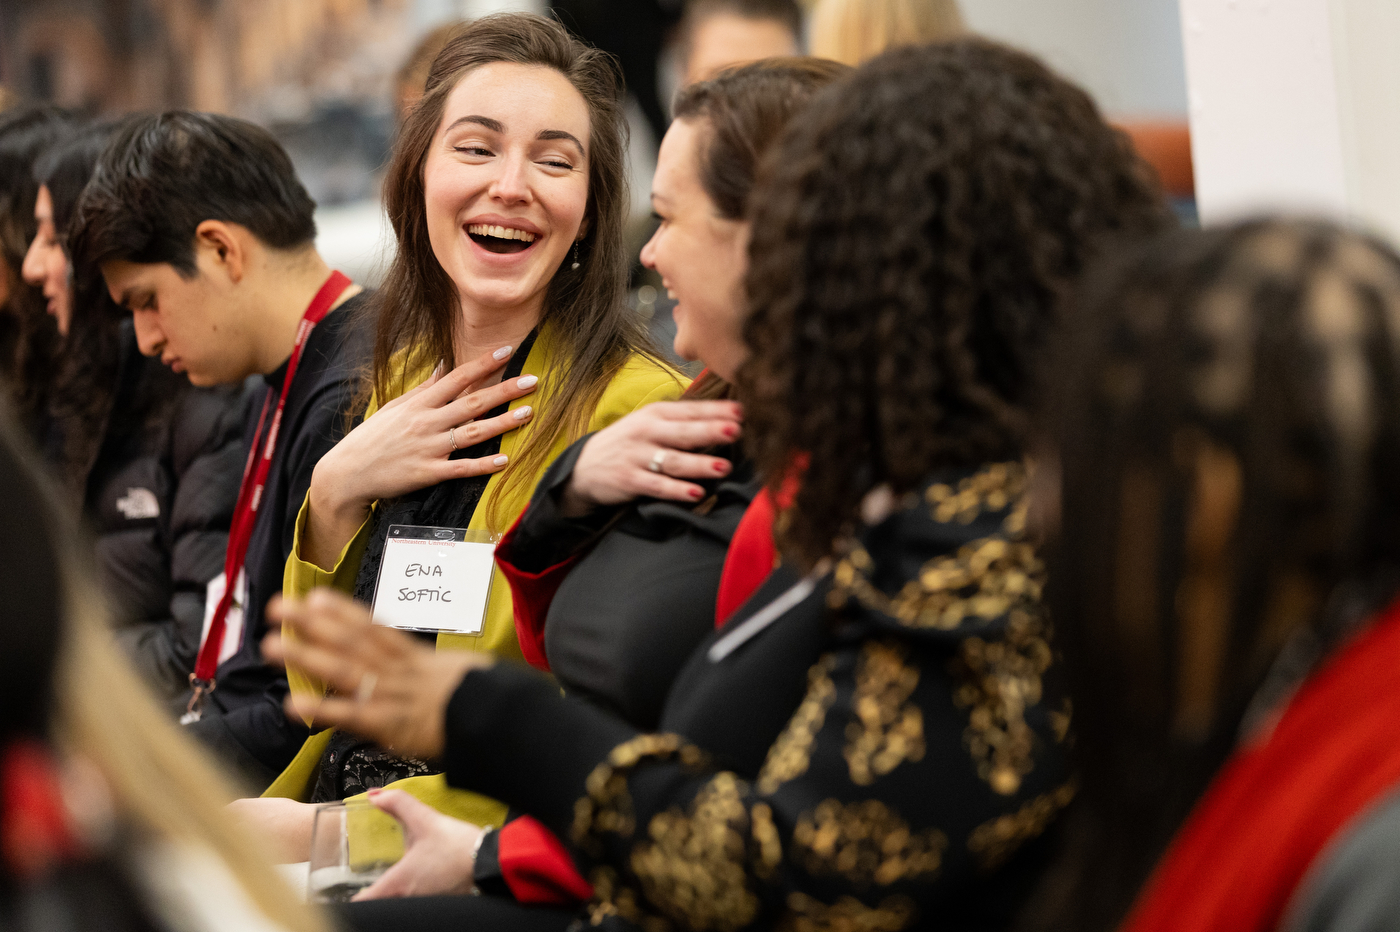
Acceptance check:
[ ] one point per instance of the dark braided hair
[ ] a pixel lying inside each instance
(911, 238)
(1227, 428)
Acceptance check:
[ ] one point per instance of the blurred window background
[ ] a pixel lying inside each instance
(328, 77)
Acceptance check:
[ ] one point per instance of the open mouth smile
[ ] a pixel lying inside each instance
(499, 239)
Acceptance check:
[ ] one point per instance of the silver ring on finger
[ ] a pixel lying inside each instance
(365, 690)
(452, 438)
(658, 459)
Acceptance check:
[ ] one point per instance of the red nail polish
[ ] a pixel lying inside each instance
(731, 432)
(695, 493)
(721, 467)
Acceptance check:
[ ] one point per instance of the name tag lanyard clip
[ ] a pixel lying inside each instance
(250, 491)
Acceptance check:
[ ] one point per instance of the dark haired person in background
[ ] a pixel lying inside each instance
(1228, 441)
(203, 232)
(150, 461)
(28, 336)
(635, 31)
(715, 34)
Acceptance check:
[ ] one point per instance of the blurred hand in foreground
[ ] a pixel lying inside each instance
(438, 850)
(382, 683)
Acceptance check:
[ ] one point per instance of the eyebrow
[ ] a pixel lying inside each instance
(560, 134)
(496, 126)
(135, 291)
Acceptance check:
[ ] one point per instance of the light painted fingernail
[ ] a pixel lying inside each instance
(438, 371)
(527, 381)
(500, 460)
(501, 353)
(522, 412)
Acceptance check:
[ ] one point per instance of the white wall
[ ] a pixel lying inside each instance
(1295, 106)
(1126, 53)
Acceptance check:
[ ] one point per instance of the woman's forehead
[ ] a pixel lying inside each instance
(523, 100)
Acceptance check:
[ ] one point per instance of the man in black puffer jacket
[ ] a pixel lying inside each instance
(160, 495)
(217, 264)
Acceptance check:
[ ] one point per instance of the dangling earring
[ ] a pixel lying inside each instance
(575, 255)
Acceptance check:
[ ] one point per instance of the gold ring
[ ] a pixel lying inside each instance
(657, 459)
(452, 438)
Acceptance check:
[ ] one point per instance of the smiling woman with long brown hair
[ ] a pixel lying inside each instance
(503, 335)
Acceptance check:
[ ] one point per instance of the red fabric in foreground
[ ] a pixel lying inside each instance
(34, 832)
(537, 867)
(1335, 750)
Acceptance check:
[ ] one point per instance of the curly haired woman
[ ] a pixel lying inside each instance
(876, 739)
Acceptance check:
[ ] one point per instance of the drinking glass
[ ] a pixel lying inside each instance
(352, 844)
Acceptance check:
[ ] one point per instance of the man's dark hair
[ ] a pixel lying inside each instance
(164, 175)
(786, 12)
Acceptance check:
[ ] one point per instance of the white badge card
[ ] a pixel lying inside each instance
(233, 621)
(435, 579)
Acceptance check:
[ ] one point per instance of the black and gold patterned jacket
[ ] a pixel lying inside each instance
(886, 753)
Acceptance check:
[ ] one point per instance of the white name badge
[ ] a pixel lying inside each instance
(435, 579)
(233, 621)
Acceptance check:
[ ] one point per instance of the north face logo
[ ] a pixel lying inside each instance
(139, 503)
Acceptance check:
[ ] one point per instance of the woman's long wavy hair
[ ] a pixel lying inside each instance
(90, 354)
(28, 336)
(585, 309)
(912, 237)
(1226, 421)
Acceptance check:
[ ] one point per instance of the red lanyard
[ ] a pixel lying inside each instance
(245, 513)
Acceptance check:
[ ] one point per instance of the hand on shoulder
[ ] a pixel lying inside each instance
(647, 453)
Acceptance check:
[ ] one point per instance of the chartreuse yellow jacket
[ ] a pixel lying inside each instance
(639, 382)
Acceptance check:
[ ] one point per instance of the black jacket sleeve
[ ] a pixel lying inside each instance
(544, 537)
(173, 561)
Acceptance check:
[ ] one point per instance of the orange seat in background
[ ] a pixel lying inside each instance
(1166, 146)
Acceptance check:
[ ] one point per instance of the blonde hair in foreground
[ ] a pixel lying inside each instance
(852, 31)
(162, 786)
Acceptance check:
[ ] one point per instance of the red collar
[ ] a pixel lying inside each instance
(1275, 804)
